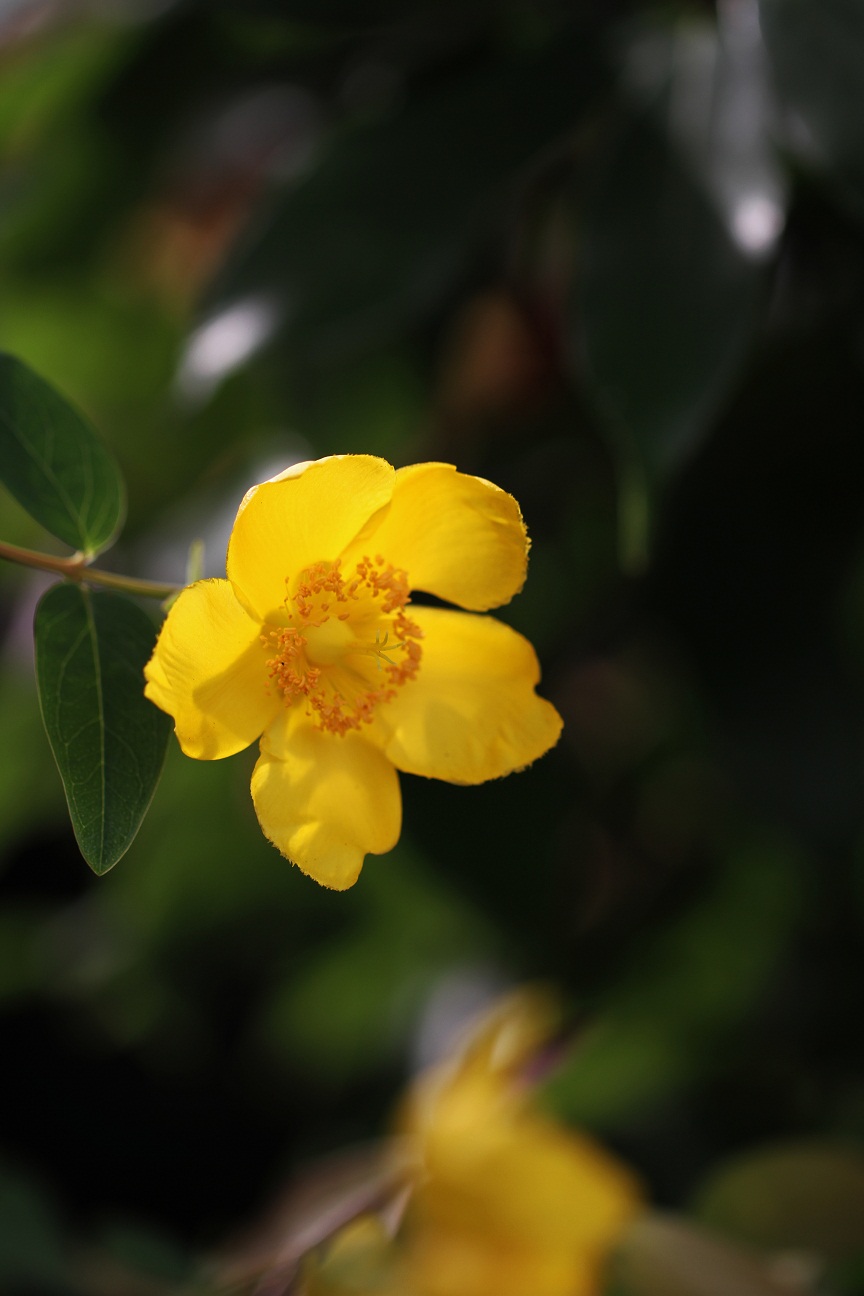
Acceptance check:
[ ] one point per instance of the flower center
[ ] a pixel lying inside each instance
(347, 644)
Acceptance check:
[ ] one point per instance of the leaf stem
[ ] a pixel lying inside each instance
(77, 568)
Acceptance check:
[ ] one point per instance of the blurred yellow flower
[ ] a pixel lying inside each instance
(310, 645)
(505, 1201)
(509, 1202)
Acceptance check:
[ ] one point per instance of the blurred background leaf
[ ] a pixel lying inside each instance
(806, 1195)
(816, 54)
(665, 1257)
(686, 208)
(438, 176)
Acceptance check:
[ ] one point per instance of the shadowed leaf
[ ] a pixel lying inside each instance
(384, 224)
(805, 1195)
(664, 1256)
(108, 740)
(687, 208)
(817, 53)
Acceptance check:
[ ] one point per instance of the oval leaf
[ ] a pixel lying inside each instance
(53, 462)
(686, 209)
(108, 740)
(661, 1255)
(792, 1196)
(371, 237)
(817, 52)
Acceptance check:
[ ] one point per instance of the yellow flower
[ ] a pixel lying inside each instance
(509, 1201)
(503, 1201)
(312, 644)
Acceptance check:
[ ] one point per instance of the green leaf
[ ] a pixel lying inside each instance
(686, 209)
(668, 305)
(817, 57)
(806, 1196)
(108, 740)
(54, 464)
(62, 72)
(380, 229)
(661, 1255)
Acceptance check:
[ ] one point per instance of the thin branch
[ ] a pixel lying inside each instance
(77, 569)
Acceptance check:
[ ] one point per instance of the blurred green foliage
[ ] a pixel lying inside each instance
(611, 257)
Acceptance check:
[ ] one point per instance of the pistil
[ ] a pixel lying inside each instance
(320, 650)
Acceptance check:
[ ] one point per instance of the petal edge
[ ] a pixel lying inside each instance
(326, 801)
(472, 713)
(305, 515)
(458, 537)
(208, 671)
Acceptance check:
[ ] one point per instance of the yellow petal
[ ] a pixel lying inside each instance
(457, 537)
(308, 514)
(512, 1203)
(325, 801)
(208, 671)
(472, 713)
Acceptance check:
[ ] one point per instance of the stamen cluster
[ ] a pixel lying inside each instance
(337, 682)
